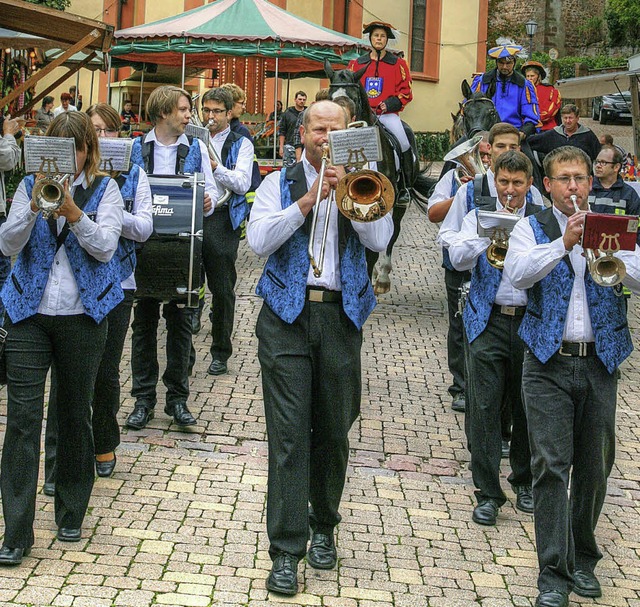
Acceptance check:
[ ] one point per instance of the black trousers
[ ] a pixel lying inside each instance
(74, 344)
(311, 380)
(144, 352)
(219, 253)
(495, 372)
(106, 397)
(571, 410)
(455, 340)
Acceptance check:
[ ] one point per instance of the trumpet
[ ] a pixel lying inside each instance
(195, 120)
(605, 269)
(48, 193)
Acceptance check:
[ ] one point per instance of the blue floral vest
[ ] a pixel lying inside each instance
(98, 283)
(238, 207)
(485, 280)
(284, 279)
(126, 252)
(188, 158)
(543, 323)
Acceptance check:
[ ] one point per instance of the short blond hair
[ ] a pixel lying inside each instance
(236, 92)
(164, 100)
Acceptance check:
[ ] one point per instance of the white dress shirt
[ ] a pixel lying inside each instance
(60, 110)
(99, 238)
(270, 226)
(164, 163)
(527, 263)
(442, 191)
(238, 179)
(468, 246)
(138, 225)
(453, 221)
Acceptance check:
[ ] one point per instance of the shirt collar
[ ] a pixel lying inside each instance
(222, 135)
(152, 137)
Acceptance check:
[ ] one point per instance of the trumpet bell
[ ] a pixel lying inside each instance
(496, 254)
(606, 270)
(365, 195)
(48, 193)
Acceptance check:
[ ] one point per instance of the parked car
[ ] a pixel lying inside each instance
(611, 108)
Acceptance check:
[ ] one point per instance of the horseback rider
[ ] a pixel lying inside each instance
(549, 100)
(387, 81)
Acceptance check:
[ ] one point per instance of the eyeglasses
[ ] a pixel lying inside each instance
(206, 110)
(105, 131)
(566, 179)
(605, 162)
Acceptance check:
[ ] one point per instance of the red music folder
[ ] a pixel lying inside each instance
(610, 232)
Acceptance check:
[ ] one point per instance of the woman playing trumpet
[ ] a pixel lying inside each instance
(62, 287)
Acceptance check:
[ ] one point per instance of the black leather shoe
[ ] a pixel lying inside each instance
(505, 450)
(13, 556)
(459, 403)
(66, 534)
(283, 577)
(140, 417)
(586, 584)
(49, 489)
(217, 367)
(322, 552)
(524, 498)
(105, 469)
(552, 598)
(181, 415)
(196, 321)
(486, 512)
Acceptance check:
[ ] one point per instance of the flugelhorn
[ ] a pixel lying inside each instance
(605, 269)
(48, 193)
(497, 251)
(467, 157)
(195, 120)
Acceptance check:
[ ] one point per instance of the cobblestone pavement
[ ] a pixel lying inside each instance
(182, 521)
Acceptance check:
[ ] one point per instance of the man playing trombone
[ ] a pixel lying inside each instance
(310, 337)
(232, 165)
(492, 316)
(576, 335)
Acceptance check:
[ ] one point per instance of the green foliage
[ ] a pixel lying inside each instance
(12, 181)
(623, 22)
(567, 64)
(590, 30)
(432, 146)
(58, 4)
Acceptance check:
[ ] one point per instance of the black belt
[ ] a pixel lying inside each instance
(320, 295)
(510, 310)
(577, 348)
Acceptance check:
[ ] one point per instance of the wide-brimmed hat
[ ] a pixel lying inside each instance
(535, 65)
(504, 51)
(387, 27)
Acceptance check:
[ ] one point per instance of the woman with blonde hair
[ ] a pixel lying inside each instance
(57, 297)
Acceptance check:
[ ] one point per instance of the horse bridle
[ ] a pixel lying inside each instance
(475, 100)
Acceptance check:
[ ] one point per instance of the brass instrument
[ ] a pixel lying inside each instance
(318, 266)
(467, 156)
(195, 120)
(48, 193)
(499, 246)
(605, 269)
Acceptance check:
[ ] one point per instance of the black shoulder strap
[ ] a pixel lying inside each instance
(181, 156)
(146, 149)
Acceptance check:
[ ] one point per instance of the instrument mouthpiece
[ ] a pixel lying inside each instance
(574, 200)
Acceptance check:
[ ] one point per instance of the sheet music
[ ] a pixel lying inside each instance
(355, 146)
(50, 155)
(490, 221)
(199, 132)
(115, 153)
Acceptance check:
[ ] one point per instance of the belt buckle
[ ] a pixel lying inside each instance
(561, 353)
(508, 310)
(315, 295)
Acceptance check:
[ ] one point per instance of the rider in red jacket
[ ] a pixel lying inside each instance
(387, 81)
(549, 100)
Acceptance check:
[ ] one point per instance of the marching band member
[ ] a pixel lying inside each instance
(387, 81)
(576, 335)
(62, 287)
(222, 228)
(492, 317)
(310, 337)
(166, 150)
(137, 225)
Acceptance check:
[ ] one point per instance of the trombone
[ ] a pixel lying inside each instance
(318, 266)
(605, 269)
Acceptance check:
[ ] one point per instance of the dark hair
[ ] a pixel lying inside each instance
(617, 154)
(73, 88)
(65, 97)
(299, 93)
(348, 105)
(608, 139)
(570, 108)
(108, 114)
(164, 100)
(47, 100)
(565, 153)
(221, 95)
(502, 128)
(514, 162)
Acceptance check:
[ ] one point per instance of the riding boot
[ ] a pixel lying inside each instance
(406, 171)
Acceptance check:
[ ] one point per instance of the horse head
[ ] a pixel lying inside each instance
(478, 112)
(345, 83)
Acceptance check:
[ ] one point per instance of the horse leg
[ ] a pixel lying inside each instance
(381, 273)
(372, 258)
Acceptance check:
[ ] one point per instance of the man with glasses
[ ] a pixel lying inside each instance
(222, 228)
(576, 336)
(239, 107)
(609, 194)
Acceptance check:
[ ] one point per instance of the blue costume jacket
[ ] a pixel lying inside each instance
(238, 206)
(126, 252)
(188, 158)
(98, 283)
(543, 323)
(284, 279)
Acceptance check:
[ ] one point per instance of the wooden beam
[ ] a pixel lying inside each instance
(54, 64)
